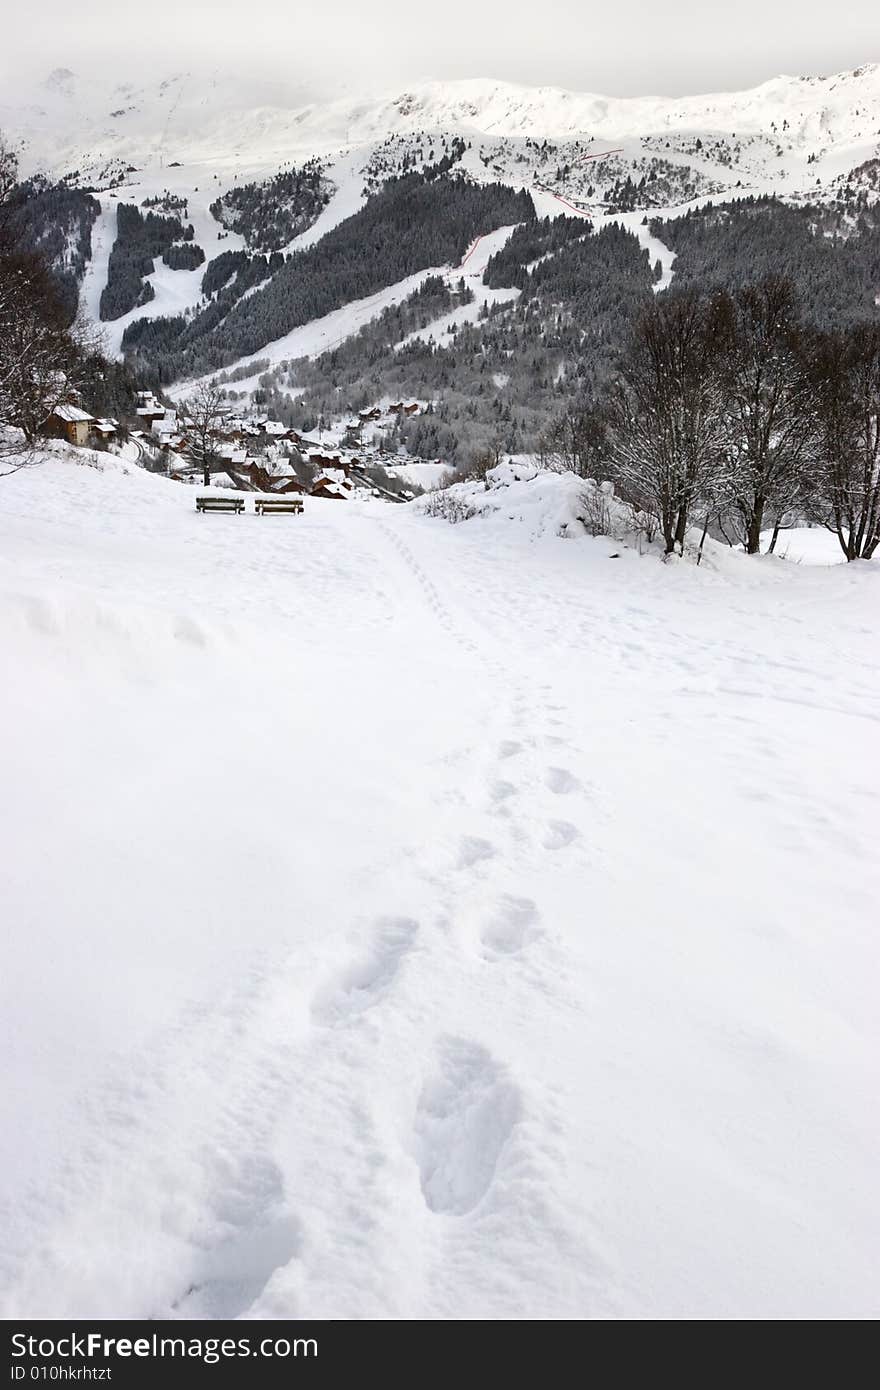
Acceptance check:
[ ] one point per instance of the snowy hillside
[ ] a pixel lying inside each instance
(412, 920)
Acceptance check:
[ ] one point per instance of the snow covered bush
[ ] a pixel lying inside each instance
(448, 503)
(596, 510)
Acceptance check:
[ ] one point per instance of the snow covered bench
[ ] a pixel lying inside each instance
(219, 504)
(266, 505)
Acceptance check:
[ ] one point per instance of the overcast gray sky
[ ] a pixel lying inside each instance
(622, 47)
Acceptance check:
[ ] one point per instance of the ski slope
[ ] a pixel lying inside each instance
(331, 330)
(407, 920)
(471, 269)
(177, 291)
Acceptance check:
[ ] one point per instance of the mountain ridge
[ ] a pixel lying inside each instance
(205, 118)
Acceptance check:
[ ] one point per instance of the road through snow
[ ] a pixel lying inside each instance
(426, 921)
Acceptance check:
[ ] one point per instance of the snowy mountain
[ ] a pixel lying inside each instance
(376, 198)
(68, 124)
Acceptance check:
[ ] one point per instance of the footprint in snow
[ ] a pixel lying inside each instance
(514, 923)
(500, 791)
(509, 748)
(255, 1234)
(560, 833)
(364, 982)
(560, 781)
(473, 850)
(466, 1113)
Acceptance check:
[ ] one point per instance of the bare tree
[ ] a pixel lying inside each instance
(41, 359)
(767, 414)
(480, 463)
(578, 442)
(845, 368)
(39, 354)
(201, 416)
(667, 437)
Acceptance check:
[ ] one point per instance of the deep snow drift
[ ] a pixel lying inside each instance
(406, 919)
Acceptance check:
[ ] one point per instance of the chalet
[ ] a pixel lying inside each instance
(332, 483)
(254, 475)
(325, 461)
(107, 429)
(69, 422)
(325, 488)
(351, 435)
(287, 483)
(365, 416)
(148, 408)
(231, 453)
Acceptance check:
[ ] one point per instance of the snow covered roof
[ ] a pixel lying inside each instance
(333, 475)
(71, 413)
(230, 454)
(327, 486)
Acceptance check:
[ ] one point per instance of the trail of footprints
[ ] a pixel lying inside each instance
(435, 602)
(465, 1114)
(558, 833)
(468, 1108)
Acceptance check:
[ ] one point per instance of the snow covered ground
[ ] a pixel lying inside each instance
(806, 545)
(413, 920)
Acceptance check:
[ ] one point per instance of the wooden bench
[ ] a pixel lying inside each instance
(267, 505)
(219, 504)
